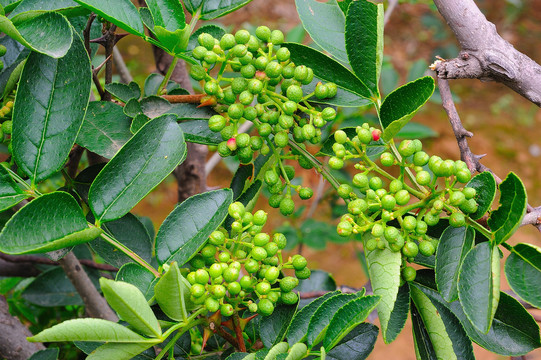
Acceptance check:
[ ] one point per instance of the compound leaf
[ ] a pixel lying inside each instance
(523, 272)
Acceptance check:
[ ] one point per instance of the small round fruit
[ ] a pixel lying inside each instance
(469, 192)
(402, 197)
(288, 283)
(388, 202)
(409, 223)
(360, 181)
(258, 253)
(426, 248)
(263, 33)
(344, 228)
(212, 305)
(423, 177)
(280, 240)
(287, 206)
(375, 183)
(283, 54)
(344, 191)
(409, 273)
(202, 276)
(457, 219)
(303, 274)
(336, 163)
(294, 93)
(387, 159)
(306, 193)
(410, 249)
(289, 298)
(265, 307)
(197, 290)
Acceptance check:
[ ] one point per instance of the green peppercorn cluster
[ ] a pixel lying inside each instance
(269, 92)
(7, 124)
(243, 268)
(395, 212)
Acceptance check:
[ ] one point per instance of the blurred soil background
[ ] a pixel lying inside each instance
(505, 126)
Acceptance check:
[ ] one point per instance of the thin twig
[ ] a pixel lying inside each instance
(473, 161)
(121, 68)
(32, 259)
(110, 44)
(188, 99)
(389, 11)
(238, 332)
(86, 33)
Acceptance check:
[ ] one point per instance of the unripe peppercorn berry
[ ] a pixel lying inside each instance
(294, 93)
(287, 206)
(263, 33)
(303, 274)
(409, 273)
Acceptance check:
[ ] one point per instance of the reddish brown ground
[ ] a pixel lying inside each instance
(506, 128)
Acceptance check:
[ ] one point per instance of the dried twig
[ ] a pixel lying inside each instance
(32, 259)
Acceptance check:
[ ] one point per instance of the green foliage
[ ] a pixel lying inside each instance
(212, 279)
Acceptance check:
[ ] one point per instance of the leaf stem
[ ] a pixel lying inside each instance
(165, 80)
(111, 240)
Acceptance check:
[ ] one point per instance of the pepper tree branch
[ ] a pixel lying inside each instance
(33, 259)
(484, 54)
(533, 216)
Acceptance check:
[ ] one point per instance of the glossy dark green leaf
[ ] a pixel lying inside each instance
(319, 322)
(485, 185)
(120, 12)
(189, 225)
(316, 234)
(513, 202)
(347, 318)
(105, 128)
(123, 351)
(400, 105)
(384, 269)
(273, 328)
(237, 356)
(445, 333)
(513, 332)
(172, 293)
(399, 315)
(328, 34)
(327, 69)
(10, 193)
(523, 272)
(298, 328)
(57, 222)
(142, 163)
(168, 14)
(49, 109)
(47, 354)
(343, 98)
(131, 306)
(29, 32)
(138, 122)
(197, 131)
(53, 288)
(356, 345)
(62, 6)
(238, 183)
(319, 281)
(421, 339)
(454, 244)
(139, 276)
(124, 92)
(154, 106)
(90, 330)
(191, 112)
(153, 82)
(216, 31)
(364, 41)
(85, 178)
(129, 231)
(479, 285)
(13, 64)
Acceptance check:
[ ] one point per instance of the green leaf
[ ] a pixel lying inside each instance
(10, 193)
(319, 322)
(139, 276)
(197, 131)
(319, 281)
(216, 31)
(189, 225)
(479, 285)
(399, 315)
(328, 34)
(400, 105)
(356, 345)
(13, 61)
(343, 98)
(47, 354)
(29, 32)
(168, 14)
(506, 219)
(421, 339)
(384, 270)
(273, 328)
(327, 69)
(446, 335)
(153, 82)
(213, 9)
(142, 163)
(523, 272)
(120, 12)
(454, 244)
(124, 92)
(42, 6)
(49, 109)
(191, 112)
(53, 288)
(172, 293)
(90, 330)
(237, 356)
(298, 328)
(119, 351)
(364, 41)
(485, 185)
(347, 318)
(131, 306)
(513, 332)
(129, 231)
(413, 130)
(105, 128)
(57, 222)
